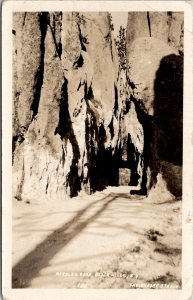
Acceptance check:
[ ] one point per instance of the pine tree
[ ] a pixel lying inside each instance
(121, 47)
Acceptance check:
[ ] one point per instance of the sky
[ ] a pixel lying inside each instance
(119, 18)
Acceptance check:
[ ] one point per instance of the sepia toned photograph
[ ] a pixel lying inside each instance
(97, 149)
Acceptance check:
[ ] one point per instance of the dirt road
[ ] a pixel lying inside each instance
(107, 240)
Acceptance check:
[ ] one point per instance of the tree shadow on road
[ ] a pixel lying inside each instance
(29, 267)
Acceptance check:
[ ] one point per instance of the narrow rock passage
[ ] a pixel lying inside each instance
(92, 233)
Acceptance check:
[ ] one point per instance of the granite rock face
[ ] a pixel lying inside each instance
(66, 119)
(143, 66)
(80, 123)
(155, 72)
(165, 26)
(28, 54)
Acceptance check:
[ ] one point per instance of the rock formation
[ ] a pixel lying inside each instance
(65, 116)
(78, 119)
(155, 72)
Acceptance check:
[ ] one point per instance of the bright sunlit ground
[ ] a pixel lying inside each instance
(107, 240)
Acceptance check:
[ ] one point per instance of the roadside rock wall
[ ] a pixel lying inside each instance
(80, 123)
(65, 106)
(155, 72)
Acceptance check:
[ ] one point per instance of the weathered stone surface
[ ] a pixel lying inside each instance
(160, 193)
(135, 145)
(137, 26)
(55, 24)
(143, 66)
(71, 46)
(97, 40)
(68, 132)
(156, 82)
(80, 123)
(29, 33)
(42, 150)
(156, 79)
(165, 26)
(176, 31)
(159, 25)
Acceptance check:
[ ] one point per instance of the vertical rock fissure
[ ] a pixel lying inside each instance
(24, 18)
(58, 47)
(19, 138)
(116, 106)
(20, 186)
(149, 23)
(47, 185)
(111, 128)
(81, 38)
(64, 117)
(60, 41)
(147, 123)
(40, 73)
(65, 130)
(63, 156)
(90, 145)
(90, 95)
(169, 23)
